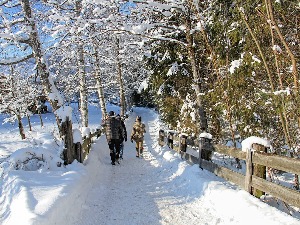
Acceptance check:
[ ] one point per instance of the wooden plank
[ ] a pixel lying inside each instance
(258, 169)
(227, 174)
(69, 150)
(200, 153)
(285, 194)
(234, 152)
(249, 171)
(286, 164)
(190, 158)
(283, 163)
(220, 171)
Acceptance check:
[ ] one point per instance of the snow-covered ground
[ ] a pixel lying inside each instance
(157, 189)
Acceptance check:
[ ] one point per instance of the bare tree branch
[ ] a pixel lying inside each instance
(5, 62)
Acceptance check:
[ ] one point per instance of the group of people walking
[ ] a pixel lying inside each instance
(116, 134)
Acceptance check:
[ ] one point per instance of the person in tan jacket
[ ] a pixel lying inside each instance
(137, 135)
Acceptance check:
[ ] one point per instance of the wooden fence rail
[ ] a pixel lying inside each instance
(251, 181)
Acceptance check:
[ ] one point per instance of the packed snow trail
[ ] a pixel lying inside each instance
(121, 194)
(134, 192)
(157, 189)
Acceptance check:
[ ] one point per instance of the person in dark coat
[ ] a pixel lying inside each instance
(123, 136)
(113, 131)
(183, 142)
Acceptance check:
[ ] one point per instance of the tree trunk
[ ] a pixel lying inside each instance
(50, 89)
(281, 116)
(121, 84)
(296, 182)
(41, 119)
(196, 76)
(209, 48)
(82, 76)
(20, 125)
(69, 150)
(34, 42)
(99, 83)
(273, 25)
(287, 48)
(82, 88)
(29, 123)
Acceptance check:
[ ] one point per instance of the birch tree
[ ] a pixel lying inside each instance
(67, 21)
(16, 96)
(20, 31)
(27, 42)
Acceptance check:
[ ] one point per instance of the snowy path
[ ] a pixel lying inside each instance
(135, 192)
(159, 189)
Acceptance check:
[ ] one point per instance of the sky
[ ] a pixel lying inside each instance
(159, 188)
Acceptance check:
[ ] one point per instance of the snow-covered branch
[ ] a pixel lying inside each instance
(15, 60)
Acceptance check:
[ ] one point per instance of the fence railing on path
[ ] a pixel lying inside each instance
(84, 148)
(74, 148)
(254, 181)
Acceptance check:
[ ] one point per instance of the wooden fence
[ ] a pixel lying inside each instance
(84, 149)
(254, 181)
(77, 150)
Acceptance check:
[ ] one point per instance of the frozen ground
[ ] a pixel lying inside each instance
(157, 189)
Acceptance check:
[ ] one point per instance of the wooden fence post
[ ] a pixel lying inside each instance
(66, 131)
(78, 152)
(259, 170)
(98, 131)
(182, 143)
(201, 144)
(253, 169)
(205, 148)
(179, 143)
(249, 171)
(89, 138)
